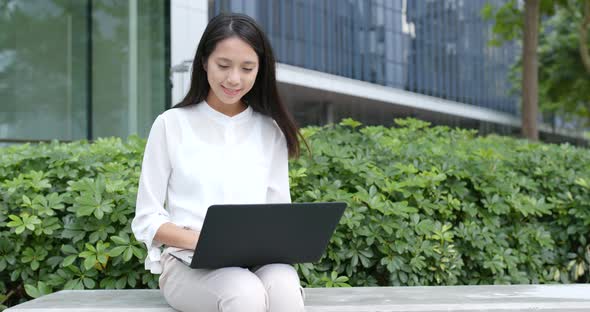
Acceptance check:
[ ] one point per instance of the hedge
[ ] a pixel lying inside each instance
(426, 206)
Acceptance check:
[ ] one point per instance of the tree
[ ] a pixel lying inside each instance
(530, 81)
(564, 77)
(584, 25)
(509, 25)
(564, 80)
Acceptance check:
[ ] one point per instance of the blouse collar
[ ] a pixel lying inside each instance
(205, 108)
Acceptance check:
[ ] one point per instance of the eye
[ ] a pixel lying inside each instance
(222, 66)
(248, 69)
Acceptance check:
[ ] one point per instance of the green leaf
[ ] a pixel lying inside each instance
(102, 258)
(127, 254)
(117, 251)
(120, 283)
(16, 221)
(350, 123)
(69, 260)
(75, 284)
(44, 288)
(120, 240)
(14, 275)
(86, 254)
(138, 252)
(333, 275)
(41, 289)
(89, 283)
(90, 262)
(69, 249)
(32, 291)
(90, 247)
(26, 201)
(98, 213)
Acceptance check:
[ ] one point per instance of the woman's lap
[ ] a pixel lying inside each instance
(273, 287)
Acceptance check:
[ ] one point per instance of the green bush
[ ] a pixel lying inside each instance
(65, 214)
(435, 206)
(427, 206)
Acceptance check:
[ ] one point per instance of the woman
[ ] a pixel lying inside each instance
(227, 142)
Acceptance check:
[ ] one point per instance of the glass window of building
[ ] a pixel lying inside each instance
(75, 69)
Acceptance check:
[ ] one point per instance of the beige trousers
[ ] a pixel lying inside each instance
(269, 288)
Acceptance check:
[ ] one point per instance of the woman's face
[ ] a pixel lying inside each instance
(231, 71)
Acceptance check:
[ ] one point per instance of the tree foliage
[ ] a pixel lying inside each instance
(564, 79)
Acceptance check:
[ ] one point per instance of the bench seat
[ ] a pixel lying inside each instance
(573, 297)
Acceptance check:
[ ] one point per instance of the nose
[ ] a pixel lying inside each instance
(233, 77)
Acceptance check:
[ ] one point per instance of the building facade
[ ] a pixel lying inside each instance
(83, 69)
(433, 48)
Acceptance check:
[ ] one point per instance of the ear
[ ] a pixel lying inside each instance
(204, 62)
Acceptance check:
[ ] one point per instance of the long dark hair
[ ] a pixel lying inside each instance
(264, 96)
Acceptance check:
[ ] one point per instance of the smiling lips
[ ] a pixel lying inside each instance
(230, 92)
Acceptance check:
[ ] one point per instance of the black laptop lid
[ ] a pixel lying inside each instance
(250, 235)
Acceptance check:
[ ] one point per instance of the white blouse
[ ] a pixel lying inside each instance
(196, 157)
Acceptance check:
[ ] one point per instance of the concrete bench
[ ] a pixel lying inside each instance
(359, 299)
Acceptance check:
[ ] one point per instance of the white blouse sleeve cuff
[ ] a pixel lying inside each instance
(154, 266)
(145, 227)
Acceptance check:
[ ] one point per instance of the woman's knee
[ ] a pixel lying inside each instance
(278, 273)
(245, 292)
(283, 287)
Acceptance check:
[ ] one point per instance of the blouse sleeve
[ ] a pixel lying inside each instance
(150, 213)
(278, 188)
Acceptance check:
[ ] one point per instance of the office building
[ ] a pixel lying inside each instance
(83, 69)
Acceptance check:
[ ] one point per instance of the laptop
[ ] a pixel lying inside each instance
(257, 234)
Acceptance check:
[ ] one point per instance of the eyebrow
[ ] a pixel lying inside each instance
(230, 61)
